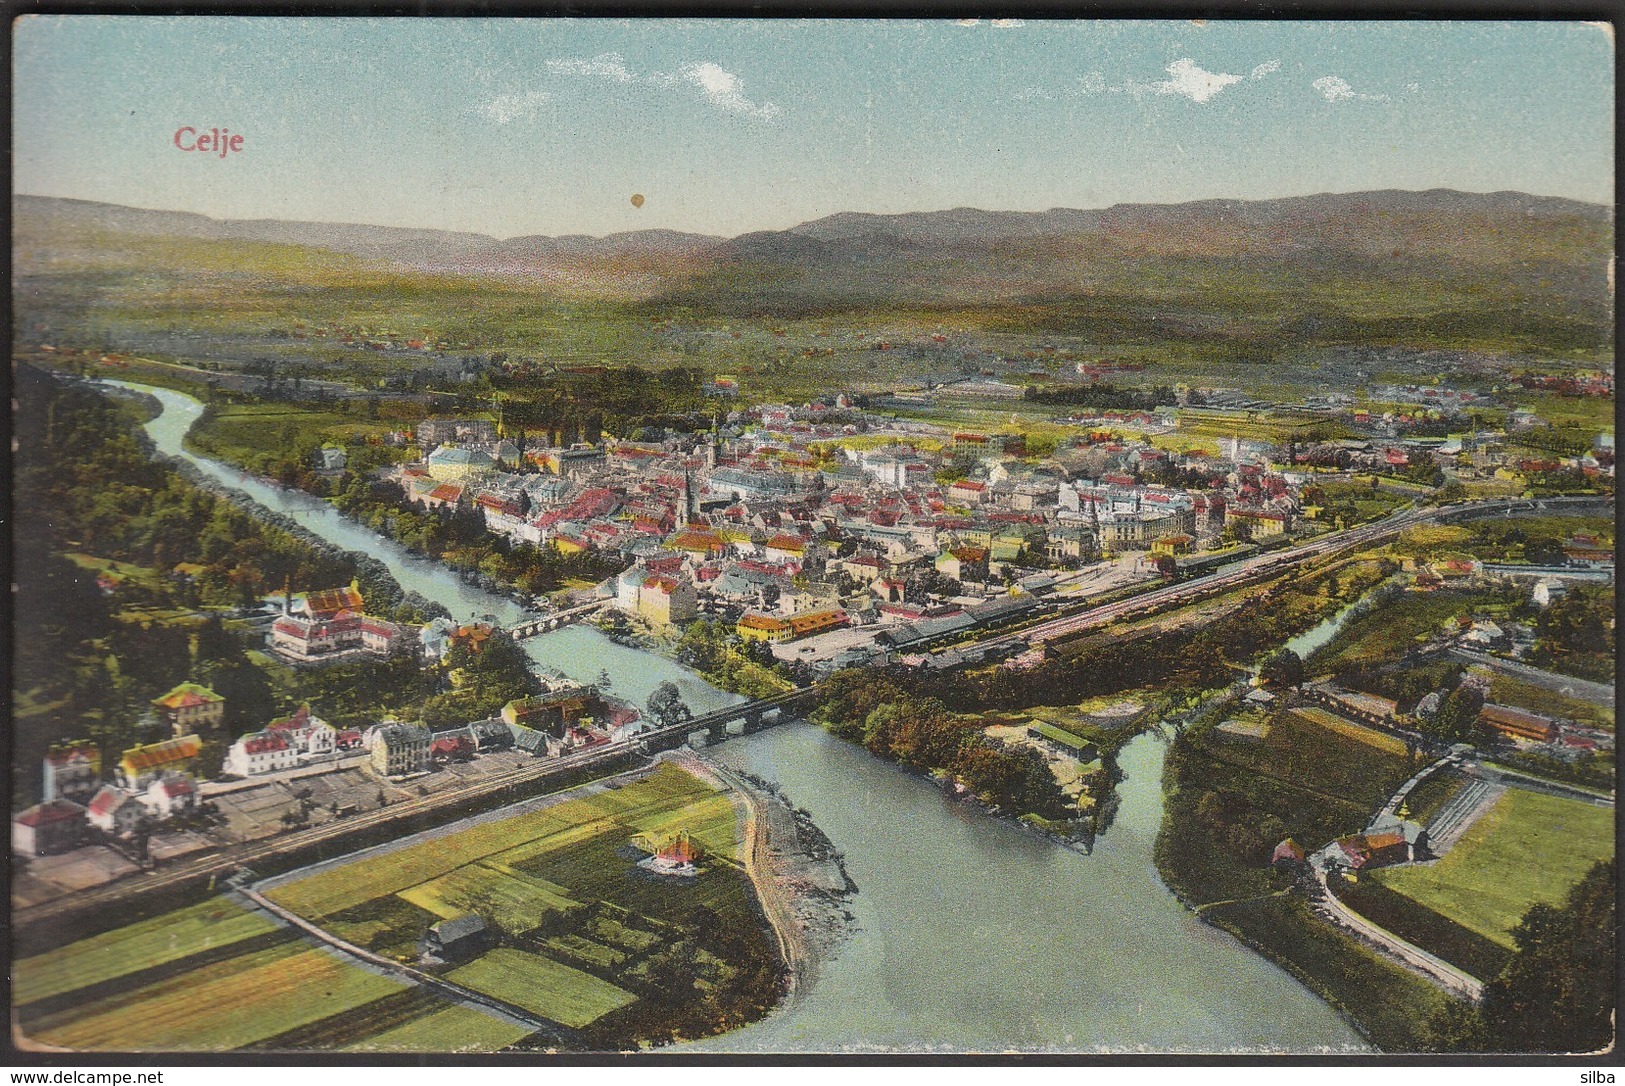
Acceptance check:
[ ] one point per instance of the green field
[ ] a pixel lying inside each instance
(1507, 690)
(516, 902)
(1322, 718)
(220, 1007)
(1301, 753)
(567, 996)
(239, 431)
(171, 937)
(454, 1029)
(579, 923)
(1390, 630)
(1530, 847)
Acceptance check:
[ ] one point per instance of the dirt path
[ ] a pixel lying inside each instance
(777, 902)
(1412, 957)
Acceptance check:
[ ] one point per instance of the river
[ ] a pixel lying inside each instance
(971, 935)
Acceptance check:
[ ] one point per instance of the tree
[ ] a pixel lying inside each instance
(666, 705)
(1457, 718)
(1558, 992)
(1282, 668)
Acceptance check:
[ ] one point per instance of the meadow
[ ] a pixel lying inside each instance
(1333, 757)
(1530, 847)
(102, 958)
(451, 1029)
(579, 924)
(567, 996)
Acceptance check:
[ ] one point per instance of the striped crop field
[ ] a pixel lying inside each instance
(1332, 722)
(101, 958)
(218, 1008)
(517, 902)
(453, 1029)
(542, 986)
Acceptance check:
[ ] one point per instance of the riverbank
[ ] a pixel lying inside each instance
(799, 880)
(1089, 953)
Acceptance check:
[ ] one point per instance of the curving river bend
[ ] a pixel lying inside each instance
(972, 935)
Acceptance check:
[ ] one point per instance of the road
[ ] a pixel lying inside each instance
(1413, 957)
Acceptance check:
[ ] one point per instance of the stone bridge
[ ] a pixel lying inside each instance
(531, 627)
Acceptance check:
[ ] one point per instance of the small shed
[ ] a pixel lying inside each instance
(457, 939)
(1287, 854)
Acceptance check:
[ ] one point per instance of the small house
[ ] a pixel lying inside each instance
(1287, 854)
(115, 811)
(189, 708)
(457, 939)
(170, 795)
(46, 828)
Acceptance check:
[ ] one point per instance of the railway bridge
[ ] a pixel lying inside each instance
(730, 721)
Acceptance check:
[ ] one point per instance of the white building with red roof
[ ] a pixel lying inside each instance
(171, 794)
(45, 828)
(115, 811)
(322, 624)
(260, 752)
(73, 772)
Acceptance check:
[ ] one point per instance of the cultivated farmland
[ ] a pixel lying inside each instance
(90, 962)
(578, 930)
(538, 984)
(224, 1006)
(452, 1029)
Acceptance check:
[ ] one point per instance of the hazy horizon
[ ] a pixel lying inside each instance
(526, 127)
(848, 211)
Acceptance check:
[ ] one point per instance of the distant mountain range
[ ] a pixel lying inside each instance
(1208, 267)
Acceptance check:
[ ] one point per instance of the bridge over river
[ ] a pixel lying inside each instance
(536, 625)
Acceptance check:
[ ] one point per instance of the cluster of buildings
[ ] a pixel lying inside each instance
(777, 519)
(565, 716)
(1541, 733)
(152, 783)
(331, 625)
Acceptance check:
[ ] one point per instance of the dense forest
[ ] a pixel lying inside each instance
(98, 638)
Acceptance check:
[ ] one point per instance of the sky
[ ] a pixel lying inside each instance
(513, 127)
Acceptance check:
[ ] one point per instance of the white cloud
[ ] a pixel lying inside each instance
(1267, 68)
(507, 107)
(1092, 83)
(1006, 24)
(1335, 88)
(967, 22)
(721, 88)
(1190, 81)
(608, 66)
